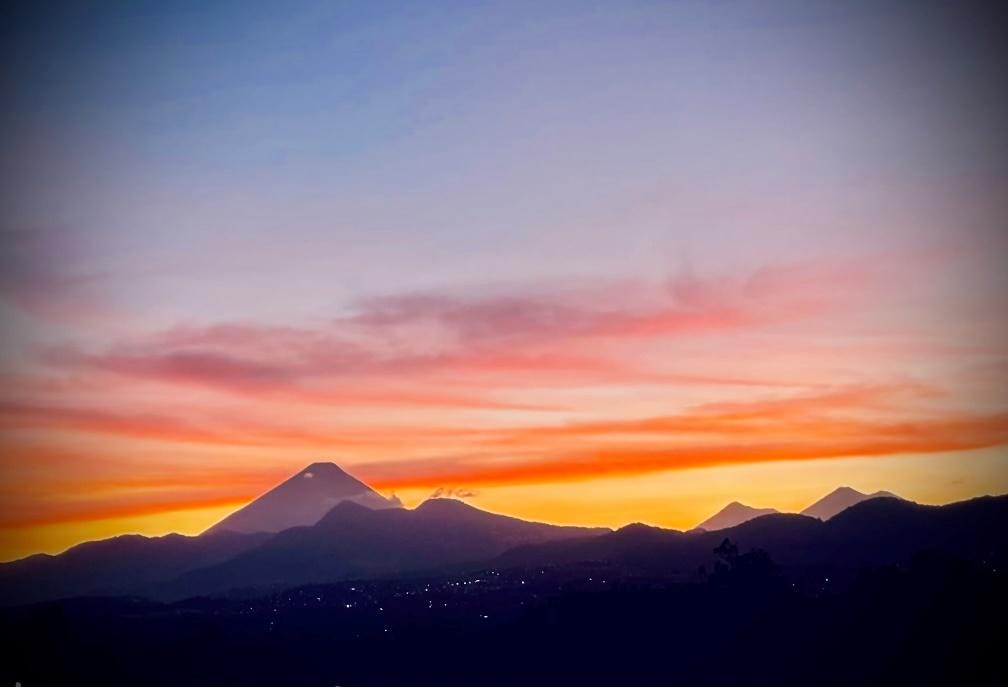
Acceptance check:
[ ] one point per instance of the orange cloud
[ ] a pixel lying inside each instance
(121, 506)
(880, 439)
(860, 420)
(537, 385)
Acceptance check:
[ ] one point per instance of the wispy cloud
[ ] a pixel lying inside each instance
(645, 455)
(855, 421)
(537, 335)
(430, 390)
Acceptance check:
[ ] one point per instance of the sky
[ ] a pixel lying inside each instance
(589, 263)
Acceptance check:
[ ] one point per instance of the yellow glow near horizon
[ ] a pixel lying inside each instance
(18, 542)
(678, 499)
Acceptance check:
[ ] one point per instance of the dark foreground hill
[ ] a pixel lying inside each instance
(931, 620)
(876, 532)
(130, 564)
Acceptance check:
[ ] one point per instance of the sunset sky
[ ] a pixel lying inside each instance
(587, 263)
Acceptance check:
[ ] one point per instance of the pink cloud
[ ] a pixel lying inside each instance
(534, 334)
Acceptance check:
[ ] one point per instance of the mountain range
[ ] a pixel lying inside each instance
(873, 533)
(359, 534)
(835, 502)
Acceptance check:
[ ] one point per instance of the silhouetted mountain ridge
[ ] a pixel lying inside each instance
(127, 564)
(875, 532)
(734, 513)
(836, 501)
(841, 499)
(352, 540)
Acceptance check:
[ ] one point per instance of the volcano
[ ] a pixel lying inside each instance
(302, 500)
(733, 514)
(841, 499)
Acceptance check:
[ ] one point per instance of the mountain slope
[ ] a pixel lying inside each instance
(670, 554)
(884, 531)
(121, 565)
(301, 500)
(875, 532)
(839, 500)
(352, 541)
(733, 514)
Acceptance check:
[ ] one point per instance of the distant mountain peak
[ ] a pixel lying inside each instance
(324, 467)
(455, 510)
(638, 529)
(444, 504)
(303, 499)
(840, 499)
(733, 514)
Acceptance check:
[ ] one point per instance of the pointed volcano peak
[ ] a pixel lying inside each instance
(733, 514)
(303, 499)
(324, 468)
(325, 478)
(846, 491)
(840, 499)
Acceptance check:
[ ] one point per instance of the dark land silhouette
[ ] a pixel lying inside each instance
(883, 592)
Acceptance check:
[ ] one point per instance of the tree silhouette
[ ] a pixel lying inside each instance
(754, 568)
(727, 556)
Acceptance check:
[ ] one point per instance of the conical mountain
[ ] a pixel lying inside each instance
(303, 500)
(733, 514)
(841, 499)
